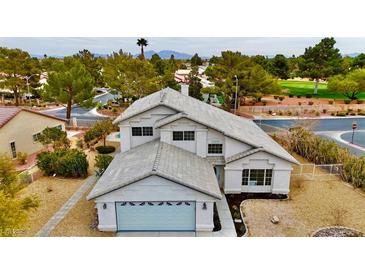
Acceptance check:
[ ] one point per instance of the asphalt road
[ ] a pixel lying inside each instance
(82, 113)
(337, 129)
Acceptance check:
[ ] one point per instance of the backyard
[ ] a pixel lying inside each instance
(312, 204)
(302, 88)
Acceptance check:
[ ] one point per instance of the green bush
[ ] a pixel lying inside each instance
(308, 96)
(101, 163)
(105, 149)
(22, 157)
(347, 101)
(360, 101)
(330, 102)
(342, 114)
(63, 162)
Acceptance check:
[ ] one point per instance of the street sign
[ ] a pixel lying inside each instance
(354, 125)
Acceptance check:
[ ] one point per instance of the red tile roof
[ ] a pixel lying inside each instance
(8, 113)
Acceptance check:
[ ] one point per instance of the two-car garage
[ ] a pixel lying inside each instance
(156, 216)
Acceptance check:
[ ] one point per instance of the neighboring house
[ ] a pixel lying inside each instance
(20, 128)
(177, 155)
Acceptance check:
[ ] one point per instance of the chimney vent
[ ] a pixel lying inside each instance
(185, 89)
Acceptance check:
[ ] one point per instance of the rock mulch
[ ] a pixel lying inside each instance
(338, 232)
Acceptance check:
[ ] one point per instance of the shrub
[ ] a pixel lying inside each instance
(63, 162)
(105, 149)
(317, 113)
(308, 96)
(291, 95)
(352, 113)
(299, 96)
(324, 110)
(22, 157)
(281, 98)
(330, 102)
(310, 103)
(359, 101)
(276, 97)
(80, 143)
(280, 112)
(324, 151)
(101, 163)
(270, 111)
(299, 103)
(114, 110)
(341, 114)
(347, 101)
(289, 113)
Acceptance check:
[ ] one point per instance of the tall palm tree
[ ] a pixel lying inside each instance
(142, 43)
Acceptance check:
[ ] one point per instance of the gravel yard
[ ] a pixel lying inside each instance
(53, 193)
(79, 220)
(312, 204)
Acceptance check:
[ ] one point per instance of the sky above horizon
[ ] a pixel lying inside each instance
(204, 46)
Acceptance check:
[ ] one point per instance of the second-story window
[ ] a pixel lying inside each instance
(147, 131)
(183, 135)
(142, 131)
(215, 148)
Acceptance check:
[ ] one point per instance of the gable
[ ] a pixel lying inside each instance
(153, 188)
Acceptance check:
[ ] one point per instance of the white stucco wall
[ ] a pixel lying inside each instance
(146, 119)
(261, 160)
(233, 146)
(154, 188)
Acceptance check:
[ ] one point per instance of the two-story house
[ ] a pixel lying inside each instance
(178, 156)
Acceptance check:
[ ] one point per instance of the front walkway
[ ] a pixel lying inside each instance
(225, 217)
(62, 212)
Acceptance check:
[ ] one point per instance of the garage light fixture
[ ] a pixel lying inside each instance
(204, 206)
(104, 206)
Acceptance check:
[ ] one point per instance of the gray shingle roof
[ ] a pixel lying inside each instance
(236, 127)
(161, 159)
(243, 154)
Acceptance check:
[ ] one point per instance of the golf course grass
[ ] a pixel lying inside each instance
(307, 87)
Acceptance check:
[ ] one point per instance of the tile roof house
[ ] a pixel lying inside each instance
(20, 127)
(178, 157)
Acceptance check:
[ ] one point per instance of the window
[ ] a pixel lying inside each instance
(13, 149)
(136, 131)
(215, 148)
(183, 135)
(147, 131)
(256, 177)
(142, 131)
(36, 137)
(189, 136)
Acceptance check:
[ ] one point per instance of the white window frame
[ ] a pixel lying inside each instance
(250, 183)
(209, 153)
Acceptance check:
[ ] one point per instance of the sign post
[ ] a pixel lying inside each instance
(354, 126)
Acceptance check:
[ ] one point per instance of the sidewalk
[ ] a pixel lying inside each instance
(62, 212)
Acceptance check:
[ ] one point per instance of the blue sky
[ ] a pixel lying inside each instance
(204, 46)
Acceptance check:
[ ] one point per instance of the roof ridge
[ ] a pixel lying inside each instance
(156, 162)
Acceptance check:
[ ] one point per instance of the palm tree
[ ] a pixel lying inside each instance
(142, 43)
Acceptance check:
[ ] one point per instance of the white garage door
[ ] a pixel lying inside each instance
(155, 216)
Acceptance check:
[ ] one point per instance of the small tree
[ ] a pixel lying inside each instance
(350, 85)
(13, 209)
(104, 127)
(196, 60)
(55, 136)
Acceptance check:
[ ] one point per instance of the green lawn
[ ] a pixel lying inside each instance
(303, 88)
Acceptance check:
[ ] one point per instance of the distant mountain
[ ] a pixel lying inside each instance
(354, 54)
(166, 54)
